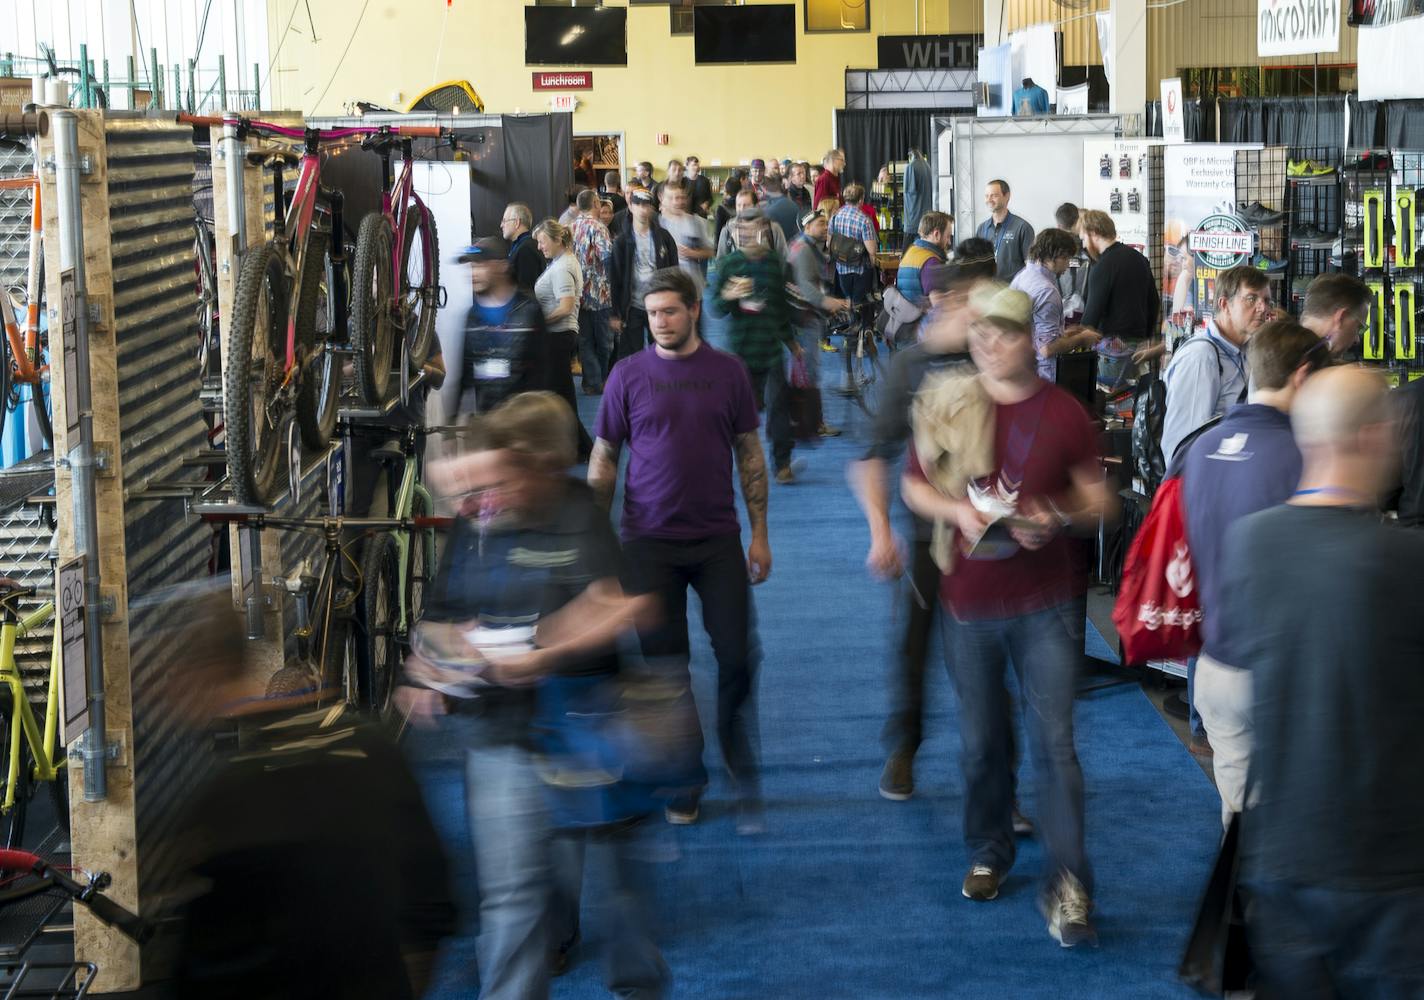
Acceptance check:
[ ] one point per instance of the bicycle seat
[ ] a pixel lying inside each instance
(389, 454)
(11, 589)
(267, 156)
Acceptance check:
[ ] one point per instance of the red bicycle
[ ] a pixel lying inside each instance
(396, 277)
(288, 314)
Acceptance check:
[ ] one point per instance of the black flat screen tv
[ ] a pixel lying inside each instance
(576, 36)
(756, 33)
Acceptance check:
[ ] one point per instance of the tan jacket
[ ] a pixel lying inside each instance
(952, 418)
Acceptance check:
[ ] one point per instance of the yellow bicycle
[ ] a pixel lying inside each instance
(27, 752)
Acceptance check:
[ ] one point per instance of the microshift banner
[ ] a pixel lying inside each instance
(1297, 27)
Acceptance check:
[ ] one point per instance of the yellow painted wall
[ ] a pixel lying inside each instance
(720, 113)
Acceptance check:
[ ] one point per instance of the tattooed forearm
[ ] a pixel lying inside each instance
(603, 472)
(751, 466)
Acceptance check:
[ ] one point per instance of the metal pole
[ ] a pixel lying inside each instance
(133, 81)
(155, 74)
(84, 75)
(256, 86)
(192, 85)
(81, 457)
(177, 86)
(222, 85)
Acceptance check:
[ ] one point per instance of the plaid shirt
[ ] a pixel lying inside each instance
(851, 221)
(593, 247)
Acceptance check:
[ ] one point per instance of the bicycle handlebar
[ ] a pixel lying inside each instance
(319, 523)
(290, 132)
(27, 125)
(130, 924)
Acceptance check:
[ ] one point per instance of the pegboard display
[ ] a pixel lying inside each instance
(1382, 191)
(1261, 204)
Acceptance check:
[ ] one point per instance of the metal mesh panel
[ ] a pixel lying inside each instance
(16, 208)
(25, 535)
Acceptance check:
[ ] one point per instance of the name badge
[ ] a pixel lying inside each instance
(493, 368)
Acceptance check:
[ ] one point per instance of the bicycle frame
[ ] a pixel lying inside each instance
(395, 205)
(406, 493)
(26, 348)
(41, 743)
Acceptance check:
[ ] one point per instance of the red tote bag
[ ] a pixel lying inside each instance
(1158, 614)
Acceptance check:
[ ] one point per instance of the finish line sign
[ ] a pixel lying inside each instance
(1297, 27)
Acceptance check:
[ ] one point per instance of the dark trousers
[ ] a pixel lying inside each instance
(1041, 647)
(716, 568)
(904, 729)
(1316, 943)
(634, 336)
(775, 402)
(561, 381)
(595, 346)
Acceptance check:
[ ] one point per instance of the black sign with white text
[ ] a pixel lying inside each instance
(929, 51)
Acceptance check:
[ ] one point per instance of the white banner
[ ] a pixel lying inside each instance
(1297, 27)
(1174, 128)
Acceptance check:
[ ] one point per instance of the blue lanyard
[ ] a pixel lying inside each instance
(1236, 358)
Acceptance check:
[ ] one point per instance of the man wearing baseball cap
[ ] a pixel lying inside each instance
(642, 248)
(1010, 591)
(756, 179)
(506, 344)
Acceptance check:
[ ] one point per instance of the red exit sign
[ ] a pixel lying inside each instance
(564, 80)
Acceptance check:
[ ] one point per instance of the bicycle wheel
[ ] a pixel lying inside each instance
(373, 333)
(320, 393)
(14, 823)
(43, 402)
(380, 583)
(207, 291)
(420, 284)
(420, 567)
(868, 374)
(6, 362)
(256, 452)
(339, 675)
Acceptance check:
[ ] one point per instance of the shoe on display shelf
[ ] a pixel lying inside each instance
(1310, 234)
(1372, 162)
(1308, 168)
(1256, 214)
(1263, 263)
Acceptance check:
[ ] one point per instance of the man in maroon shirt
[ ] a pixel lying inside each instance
(828, 185)
(1011, 597)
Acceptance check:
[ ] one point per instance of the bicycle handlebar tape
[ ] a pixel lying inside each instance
(1373, 347)
(420, 131)
(1405, 236)
(1374, 228)
(1404, 342)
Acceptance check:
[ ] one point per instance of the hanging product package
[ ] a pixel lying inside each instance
(1373, 347)
(1404, 343)
(1374, 227)
(1406, 236)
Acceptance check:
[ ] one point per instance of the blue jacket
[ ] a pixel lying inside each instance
(1246, 463)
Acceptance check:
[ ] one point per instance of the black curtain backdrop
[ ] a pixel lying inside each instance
(1198, 120)
(1301, 122)
(1402, 125)
(1365, 119)
(873, 138)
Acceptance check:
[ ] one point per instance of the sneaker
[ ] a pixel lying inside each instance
(827, 431)
(682, 813)
(981, 884)
(1308, 168)
(785, 476)
(1066, 907)
(1201, 746)
(575, 368)
(1263, 263)
(1023, 826)
(828, 347)
(897, 781)
(1259, 215)
(751, 818)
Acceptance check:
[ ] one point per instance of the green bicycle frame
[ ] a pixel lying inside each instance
(410, 489)
(41, 744)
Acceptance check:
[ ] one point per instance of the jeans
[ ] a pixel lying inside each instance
(716, 568)
(1319, 943)
(595, 346)
(509, 824)
(1224, 696)
(904, 728)
(809, 337)
(1194, 719)
(634, 336)
(772, 399)
(617, 861)
(1040, 646)
(854, 286)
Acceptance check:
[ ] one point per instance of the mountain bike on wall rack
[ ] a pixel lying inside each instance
(396, 277)
(278, 367)
(29, 754)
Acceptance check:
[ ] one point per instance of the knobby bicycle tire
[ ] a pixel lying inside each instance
(14, 823)
(256, 452)
(380, 589)
(418, 306)
(207, 309)
(421, 563)
(43, 402)
(372, 297)
(320, 393)
(6, 361)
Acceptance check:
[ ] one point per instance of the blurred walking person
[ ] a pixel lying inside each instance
(559, 290)
(593, 246)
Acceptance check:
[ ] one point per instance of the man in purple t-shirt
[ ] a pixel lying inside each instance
(686, 411)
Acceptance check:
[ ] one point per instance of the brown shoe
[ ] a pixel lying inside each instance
(785, 476)
(981, 884)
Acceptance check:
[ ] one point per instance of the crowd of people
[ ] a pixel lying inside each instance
(563, 646)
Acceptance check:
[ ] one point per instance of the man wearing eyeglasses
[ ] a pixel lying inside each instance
(1337, 308)
(1208, 373)
(526, 263)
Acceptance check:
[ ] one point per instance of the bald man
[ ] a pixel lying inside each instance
(1327, 604)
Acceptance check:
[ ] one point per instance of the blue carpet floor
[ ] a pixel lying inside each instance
(851, 897)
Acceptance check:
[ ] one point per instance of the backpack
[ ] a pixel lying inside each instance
(848, 250)
(1158, 609)
(1149, 402)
